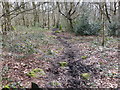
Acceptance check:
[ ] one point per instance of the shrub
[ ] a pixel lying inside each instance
(36, 72)
(63, 64)
(85, 75)
(95, 28)
(83, 27)
(112, 29)
(60, 27)
(83, 57)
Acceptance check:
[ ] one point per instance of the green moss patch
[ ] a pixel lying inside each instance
(85, 75)
(63, 64)
(7, 86)
(36, 72)
(83, 57)
(55, 83)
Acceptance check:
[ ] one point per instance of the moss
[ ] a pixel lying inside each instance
(58, 31)
(36, 72)
(40, 71)
(55, 83)
(31, 74)
(63, 64)
(83, 57)
(101, 63)
(7, 86)
(85, 75)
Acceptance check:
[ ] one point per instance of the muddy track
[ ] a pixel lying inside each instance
(70, 76)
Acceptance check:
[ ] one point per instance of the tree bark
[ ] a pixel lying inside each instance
(43, 15)
(107, 14)
(48, 17)
(103, 25)
(118, 19)
(35, 14)
(6, 22)
(23, 14)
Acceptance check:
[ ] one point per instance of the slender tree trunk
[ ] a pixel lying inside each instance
(53, 16)
(48, 17)
(35, 13)
(103, 25)
(107, 14)
(23, 14)
(115, 8)
(23, 18)
(118, 34)
(58, 20)
(43, 15)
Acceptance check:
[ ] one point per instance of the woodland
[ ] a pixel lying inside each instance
(59, 44)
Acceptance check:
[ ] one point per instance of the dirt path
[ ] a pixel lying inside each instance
(70, 75)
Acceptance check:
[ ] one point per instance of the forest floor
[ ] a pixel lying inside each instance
(54, 59)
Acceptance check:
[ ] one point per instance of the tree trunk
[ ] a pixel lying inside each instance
(6, 24)
(71, 24)
(103, 25)
(48, 17)
(23, 14)
(43, 15)
(58, 20)
(118, 19)
(35, 14)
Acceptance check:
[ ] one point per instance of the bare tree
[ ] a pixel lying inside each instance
(23, 14)
(43, 15)
(69, 12)
(35, 14)
(53, 15)
(107, 14)
(102, 12)
(6, 24)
